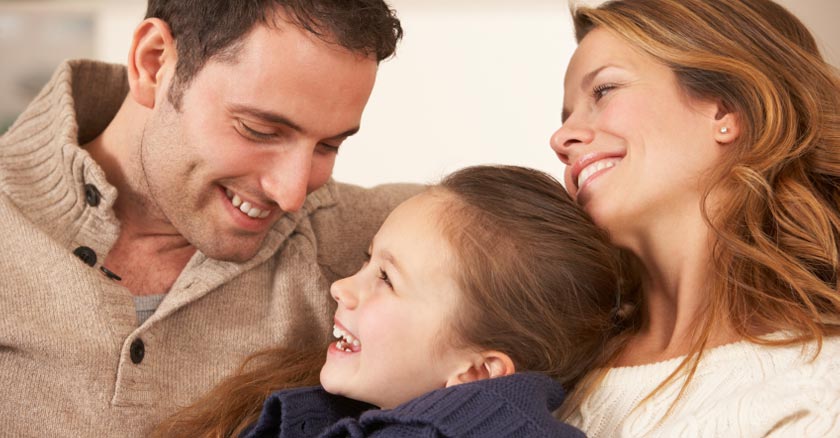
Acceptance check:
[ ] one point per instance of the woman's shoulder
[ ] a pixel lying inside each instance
(740, 389)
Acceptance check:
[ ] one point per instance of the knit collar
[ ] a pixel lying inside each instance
(44, 171)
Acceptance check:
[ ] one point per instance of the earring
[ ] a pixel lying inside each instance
(724, 130)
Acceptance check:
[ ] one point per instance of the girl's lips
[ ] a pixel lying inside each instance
(346, 340)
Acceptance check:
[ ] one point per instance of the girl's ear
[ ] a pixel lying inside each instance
(152, 53)
(485, 365)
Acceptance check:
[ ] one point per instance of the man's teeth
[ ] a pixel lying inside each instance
(246, 207)
(594, 167)
(346, 341)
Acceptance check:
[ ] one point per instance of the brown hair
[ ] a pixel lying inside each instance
(203, 29)
(237, 401)
(539, 280)
(776, 221)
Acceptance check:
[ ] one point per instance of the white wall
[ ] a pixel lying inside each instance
(474, 81)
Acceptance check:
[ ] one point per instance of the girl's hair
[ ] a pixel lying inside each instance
(539, 282)
(236, 403)
(776, 217)
(539, 279)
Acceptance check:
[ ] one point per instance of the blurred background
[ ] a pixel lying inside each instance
(474, 81)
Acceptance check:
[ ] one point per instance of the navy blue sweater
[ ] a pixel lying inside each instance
(513, 406)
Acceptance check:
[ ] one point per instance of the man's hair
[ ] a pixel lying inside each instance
(204, 29)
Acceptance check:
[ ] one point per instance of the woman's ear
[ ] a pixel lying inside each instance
(485, 365)
(152, 54)
(726, 125)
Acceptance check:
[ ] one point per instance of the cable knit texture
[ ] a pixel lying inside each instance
(74, 362)
(516, 406)
(740, 390)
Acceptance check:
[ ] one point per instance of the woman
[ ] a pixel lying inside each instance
(704, 136)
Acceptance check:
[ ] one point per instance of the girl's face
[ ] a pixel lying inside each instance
(635, 145)
(391, 320)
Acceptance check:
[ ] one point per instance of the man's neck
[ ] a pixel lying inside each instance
(149, 253)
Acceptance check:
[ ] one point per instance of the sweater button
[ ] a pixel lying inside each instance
(86, 254)
(138, 350)
(92, 196)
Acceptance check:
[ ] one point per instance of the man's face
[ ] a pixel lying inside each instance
(253, 136)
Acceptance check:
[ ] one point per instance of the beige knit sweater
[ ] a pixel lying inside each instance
(67, 365)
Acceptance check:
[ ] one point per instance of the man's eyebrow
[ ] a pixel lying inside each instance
(279, 119)
(584, 84)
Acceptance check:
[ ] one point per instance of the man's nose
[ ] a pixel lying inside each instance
(286, 180)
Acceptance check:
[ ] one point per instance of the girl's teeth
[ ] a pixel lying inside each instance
(236, 201)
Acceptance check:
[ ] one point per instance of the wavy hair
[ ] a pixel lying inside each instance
(776, 217)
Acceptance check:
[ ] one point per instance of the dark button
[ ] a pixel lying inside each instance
(138, 350)
(110, 274)
(86, 254)
(92, 196)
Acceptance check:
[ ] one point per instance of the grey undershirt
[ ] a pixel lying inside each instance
(146, 305)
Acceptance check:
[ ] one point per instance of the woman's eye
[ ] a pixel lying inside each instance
(601, 90)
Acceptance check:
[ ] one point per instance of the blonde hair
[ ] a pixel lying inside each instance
(776, 223)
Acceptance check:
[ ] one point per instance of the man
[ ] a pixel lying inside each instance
(192, 185)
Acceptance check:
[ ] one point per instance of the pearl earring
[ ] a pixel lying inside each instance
(724, 130)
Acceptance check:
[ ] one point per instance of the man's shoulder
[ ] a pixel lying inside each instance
(344, 230)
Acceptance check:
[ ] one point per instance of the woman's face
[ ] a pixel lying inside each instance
(635, 145)
(393, 315)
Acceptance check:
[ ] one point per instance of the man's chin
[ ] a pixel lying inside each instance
(236, 252)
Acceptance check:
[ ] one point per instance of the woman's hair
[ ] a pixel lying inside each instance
(538, 279)
(775, 213)
(539, 283)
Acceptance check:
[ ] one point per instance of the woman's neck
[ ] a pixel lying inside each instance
(676, 284)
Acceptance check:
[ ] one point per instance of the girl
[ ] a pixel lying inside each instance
(704, 136)
(482, 298)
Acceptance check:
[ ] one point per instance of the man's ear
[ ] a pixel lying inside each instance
(152, 54)
(727, 126)
(485, 365)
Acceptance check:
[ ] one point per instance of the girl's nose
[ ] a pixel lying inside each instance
(343, 292)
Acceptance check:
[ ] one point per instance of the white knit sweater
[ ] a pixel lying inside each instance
(740, 390)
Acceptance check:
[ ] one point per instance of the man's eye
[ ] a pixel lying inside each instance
(328, 148)
(255, 134)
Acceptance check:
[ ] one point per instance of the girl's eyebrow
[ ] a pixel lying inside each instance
(388, 257)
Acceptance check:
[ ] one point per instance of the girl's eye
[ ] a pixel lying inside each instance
(601, 90)
(384, 277)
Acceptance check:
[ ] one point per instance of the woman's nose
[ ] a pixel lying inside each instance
(567, 138)
(343, 292)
